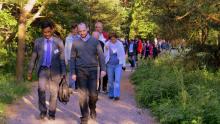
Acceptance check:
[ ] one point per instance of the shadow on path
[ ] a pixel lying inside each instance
(123, 111)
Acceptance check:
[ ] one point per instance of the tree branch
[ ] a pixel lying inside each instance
(189, 12)
(212, 17)
(37, 15)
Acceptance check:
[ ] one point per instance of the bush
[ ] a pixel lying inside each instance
(177, 95)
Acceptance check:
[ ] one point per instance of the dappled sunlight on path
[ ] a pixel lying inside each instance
(123, 111)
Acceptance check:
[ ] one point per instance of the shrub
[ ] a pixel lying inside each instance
(177, 95)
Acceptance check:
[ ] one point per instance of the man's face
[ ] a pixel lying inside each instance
(74, 31)
(83, 31)
(99, 27)
(47, 32)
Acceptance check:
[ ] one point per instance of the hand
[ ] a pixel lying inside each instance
(103, 73)
(123, 68)
(106, 47)
(29, 76)
(74, 77)
(64, 76)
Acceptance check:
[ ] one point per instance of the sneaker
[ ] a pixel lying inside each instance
(117, 98)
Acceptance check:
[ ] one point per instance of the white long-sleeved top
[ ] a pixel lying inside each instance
(68, 46)
(119, 48)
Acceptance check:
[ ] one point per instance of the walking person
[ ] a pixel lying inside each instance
(72, 37)
(131, 53)
(48, 53)
(115, 60)
(86, 54)
(103, 37)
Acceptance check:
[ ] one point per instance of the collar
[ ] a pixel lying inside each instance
(86, 38)
(50, 39)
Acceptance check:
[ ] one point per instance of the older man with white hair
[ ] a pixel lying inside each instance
(83, 65)
(103, 37)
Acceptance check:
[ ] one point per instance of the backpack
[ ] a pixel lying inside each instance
(63, 91)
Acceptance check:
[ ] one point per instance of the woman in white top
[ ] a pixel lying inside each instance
(115, 60)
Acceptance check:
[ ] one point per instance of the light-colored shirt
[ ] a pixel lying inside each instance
(86, 38)
(102, 38)
(113, 47)
(68, 46)
(131, 47)
(119, 50)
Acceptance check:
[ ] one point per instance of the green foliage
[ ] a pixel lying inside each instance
(7, 25)
(176, 95)
(186, 19)
(141, 24)
(10, 91)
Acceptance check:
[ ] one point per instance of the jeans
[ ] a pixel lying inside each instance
(114, 79)
(87, 89)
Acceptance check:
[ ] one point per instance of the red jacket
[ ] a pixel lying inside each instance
(140, 46)
(105, 34)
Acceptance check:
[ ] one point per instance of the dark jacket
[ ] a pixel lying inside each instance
(58, 66)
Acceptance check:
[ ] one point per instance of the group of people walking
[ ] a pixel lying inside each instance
(140, 49)
(86, 56)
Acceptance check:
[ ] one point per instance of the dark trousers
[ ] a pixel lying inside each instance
(131, 59)
(87, 89)
(105, 83)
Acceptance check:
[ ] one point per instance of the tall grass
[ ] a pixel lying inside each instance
(176, 95)
(9, 90)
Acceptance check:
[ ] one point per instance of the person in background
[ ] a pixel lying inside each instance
(72, 37)
(48, 53)
(140, 46)
(151, 48)
(57, 35)
(131, 53)
(147, 49)
(115, 60)
(86, 56)
(95, 34)
(103, 37)
(144, 49)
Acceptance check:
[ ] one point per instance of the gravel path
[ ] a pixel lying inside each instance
(123, 111)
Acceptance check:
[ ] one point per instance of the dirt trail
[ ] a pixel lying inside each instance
(123, 111)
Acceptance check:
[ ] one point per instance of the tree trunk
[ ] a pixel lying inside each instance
(21, 40)
(218, 41)
(1, 5)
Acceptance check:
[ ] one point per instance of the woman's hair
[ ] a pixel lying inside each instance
(113, 34)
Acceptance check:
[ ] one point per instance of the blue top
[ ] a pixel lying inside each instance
(113, 58)
(47, 52)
